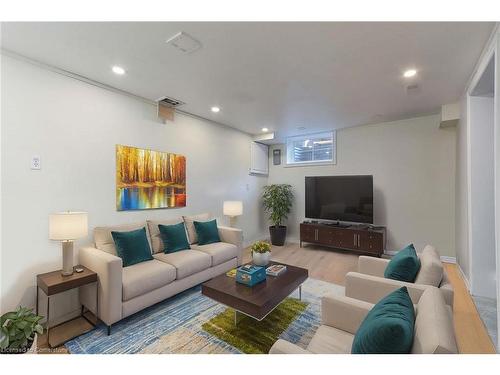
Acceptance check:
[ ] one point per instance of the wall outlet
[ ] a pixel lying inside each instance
(36, 162)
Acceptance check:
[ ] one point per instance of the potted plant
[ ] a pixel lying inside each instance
(277, 200)
(18, 331)
(261, 252)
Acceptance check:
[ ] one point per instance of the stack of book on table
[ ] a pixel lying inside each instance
(275, 269)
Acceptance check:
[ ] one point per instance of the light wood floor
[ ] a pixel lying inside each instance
(331, 266)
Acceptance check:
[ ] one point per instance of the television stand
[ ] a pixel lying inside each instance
(358, 238)
(338, 224)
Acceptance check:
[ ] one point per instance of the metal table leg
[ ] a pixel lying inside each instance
(300, 292)
(36, 308)
(48, 322)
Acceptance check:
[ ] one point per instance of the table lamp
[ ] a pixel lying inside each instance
(233, 209)
(67, 227)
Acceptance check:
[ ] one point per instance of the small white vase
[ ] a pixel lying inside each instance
(261, 259)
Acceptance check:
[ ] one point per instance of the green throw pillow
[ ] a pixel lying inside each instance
(174, 238)
(132, 247)
(388, 328)
(207, 232)
(404, 266)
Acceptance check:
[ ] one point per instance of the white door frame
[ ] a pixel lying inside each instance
(492, 50)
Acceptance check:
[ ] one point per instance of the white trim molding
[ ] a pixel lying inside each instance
(464, 278)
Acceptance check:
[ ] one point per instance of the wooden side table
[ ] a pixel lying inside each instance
(52, 283)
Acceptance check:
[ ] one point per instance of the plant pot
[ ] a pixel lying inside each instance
(29, 350)
(278, 235)
(261, 259)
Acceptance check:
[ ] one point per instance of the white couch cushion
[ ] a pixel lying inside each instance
(434, 331)
(144, 277)
(154, 231)
(189, 221)
(431, 269)
(187, 262)
(329, 340)
(104, 240)
(219, 251)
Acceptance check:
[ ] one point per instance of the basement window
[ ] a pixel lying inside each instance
(318, 148)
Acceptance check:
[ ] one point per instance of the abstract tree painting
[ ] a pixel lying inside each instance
(147, 179)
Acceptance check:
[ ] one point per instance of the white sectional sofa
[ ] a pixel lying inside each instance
(369, 283)
(124, 291)
(342, 316)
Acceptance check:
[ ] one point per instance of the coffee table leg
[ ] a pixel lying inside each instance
(300, 292)
(235, 317)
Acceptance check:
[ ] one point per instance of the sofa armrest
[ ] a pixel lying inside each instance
(109, 272)
(285, 347)
(373, 288)
(343, 312)
(446, 288)
(372, 266)
(233, 236)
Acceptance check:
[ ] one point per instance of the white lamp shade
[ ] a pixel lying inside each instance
(233, 208)
(65, 226)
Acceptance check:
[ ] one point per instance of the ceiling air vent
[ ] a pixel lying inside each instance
(170, 102)
(183, 42)
(413, 89)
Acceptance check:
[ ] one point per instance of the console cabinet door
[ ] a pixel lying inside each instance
(307, 233)
(370, 242)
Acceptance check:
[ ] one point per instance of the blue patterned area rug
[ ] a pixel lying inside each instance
(174, 326)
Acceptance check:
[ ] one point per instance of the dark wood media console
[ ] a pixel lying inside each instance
(357, 238)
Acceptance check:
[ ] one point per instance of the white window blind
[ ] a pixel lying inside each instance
(311, 149)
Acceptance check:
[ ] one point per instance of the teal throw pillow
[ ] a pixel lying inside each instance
(132, 247)
(388, 328)
(207, 232)
(174, 237)
(404, 266)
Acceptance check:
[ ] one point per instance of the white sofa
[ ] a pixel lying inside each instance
(342, 316)
(370, 285)
(124, 291)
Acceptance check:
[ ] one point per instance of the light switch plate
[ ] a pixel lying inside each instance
(36, 163)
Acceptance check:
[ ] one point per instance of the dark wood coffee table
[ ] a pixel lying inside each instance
(257, 301)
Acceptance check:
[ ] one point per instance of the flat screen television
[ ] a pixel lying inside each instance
(342, 198)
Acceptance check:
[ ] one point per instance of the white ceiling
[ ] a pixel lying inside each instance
(276, 75)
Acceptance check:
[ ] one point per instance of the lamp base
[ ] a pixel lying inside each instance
(67, 263)
(232, 221)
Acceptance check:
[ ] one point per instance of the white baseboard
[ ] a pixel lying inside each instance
(464, 278)
(449, 259)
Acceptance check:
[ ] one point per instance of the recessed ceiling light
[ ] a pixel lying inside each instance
(215, 109)
(410, 73)
(118, 70)
(265, 130)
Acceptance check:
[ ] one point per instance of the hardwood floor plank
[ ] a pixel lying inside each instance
(470, 331)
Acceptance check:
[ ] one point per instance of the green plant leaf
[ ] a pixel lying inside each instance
(28, 332)
(22, 324)
(4, 338)
(39, 329)
(7, 316)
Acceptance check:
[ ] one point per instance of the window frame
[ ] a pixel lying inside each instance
(303, 137)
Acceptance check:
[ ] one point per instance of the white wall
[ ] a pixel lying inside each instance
(483, 264)
(461, 198)
(413, 168)
(74, 127)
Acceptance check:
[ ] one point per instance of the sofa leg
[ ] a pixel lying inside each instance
(109, 330)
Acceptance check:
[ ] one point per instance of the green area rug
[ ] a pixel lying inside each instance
(251, 336)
